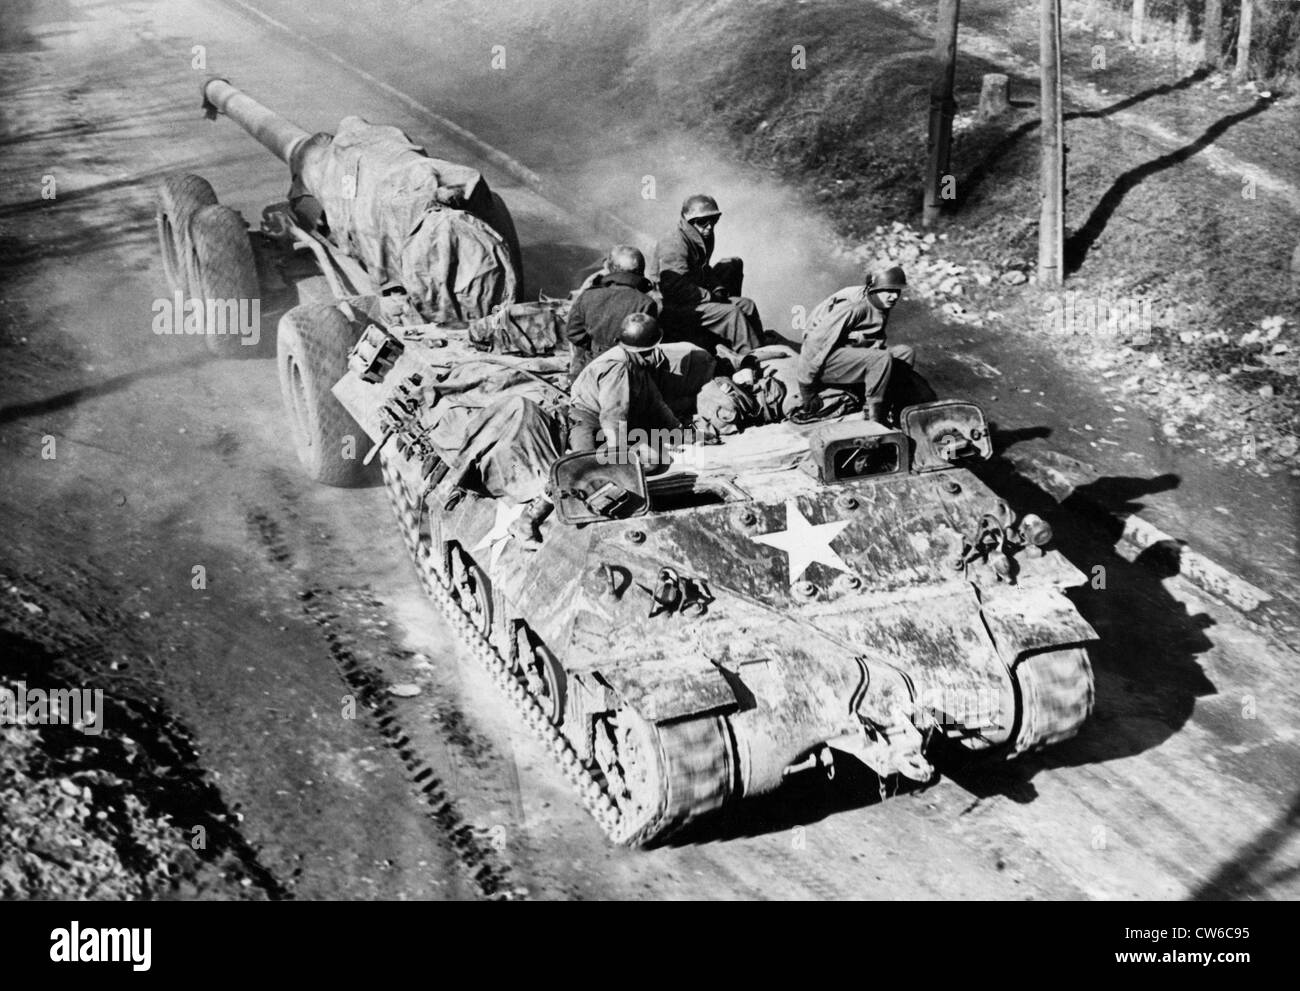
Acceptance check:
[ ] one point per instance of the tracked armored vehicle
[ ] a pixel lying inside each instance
(684, 640)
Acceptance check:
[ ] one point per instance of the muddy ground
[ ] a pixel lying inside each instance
(256, 704)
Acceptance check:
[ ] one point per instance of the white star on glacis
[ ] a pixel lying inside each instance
(805, 542)
(500, 531)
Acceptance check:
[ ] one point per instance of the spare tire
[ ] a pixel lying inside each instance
(312, 346)
(180, 197)
(221, 268)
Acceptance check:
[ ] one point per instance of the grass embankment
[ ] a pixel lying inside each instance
(1206, 255)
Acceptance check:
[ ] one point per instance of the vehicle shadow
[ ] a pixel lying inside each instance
(1147, 678)
(802, 800)
(1003, 438)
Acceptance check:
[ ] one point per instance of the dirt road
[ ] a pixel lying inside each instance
(1183, 784)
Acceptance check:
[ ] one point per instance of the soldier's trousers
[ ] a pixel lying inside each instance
(883, 376)
(735, 323)
(904, 353)
(906, 385)
(584, 429)
(868, 369)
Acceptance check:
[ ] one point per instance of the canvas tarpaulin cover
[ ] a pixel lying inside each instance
(411, 219)
(497, 429)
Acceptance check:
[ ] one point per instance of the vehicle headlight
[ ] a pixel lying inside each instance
(1035, 531)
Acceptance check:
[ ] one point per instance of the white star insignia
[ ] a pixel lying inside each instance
(500, 531)
(805, 542)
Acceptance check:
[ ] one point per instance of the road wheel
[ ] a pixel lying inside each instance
(180, 197)
(542, 670)
(221, 268)
(312, 346)
(470, 588)
(504, 224)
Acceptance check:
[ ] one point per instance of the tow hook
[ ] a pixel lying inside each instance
(667, 594)
(821, 759)
(674, 594)
(826, 761)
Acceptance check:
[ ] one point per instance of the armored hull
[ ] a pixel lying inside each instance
(762, 606)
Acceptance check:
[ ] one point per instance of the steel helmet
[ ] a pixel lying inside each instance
(640, 332)
(887, 278)
(700, 205)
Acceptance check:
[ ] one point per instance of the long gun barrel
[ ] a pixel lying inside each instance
(280, 137)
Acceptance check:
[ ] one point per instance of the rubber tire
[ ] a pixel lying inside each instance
(312, 345)
(221, 265)
(179, 198)
(504, 224)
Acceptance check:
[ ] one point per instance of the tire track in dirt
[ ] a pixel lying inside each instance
(489, 876)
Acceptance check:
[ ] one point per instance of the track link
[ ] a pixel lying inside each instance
(586, 780)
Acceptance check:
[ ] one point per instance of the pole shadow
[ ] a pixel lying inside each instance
(1078, 244)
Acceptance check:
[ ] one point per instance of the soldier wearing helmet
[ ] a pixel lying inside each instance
(702, 301)
(640, 384)
(845, 346)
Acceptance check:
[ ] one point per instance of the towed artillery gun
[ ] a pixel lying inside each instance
(373, 226)
(684, 640)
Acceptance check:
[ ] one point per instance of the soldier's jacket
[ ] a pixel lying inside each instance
(597, 314)
(617, 391)
(685, 276)
(844, 312)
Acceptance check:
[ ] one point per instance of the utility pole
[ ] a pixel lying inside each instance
(942, 107)
(1051, 222)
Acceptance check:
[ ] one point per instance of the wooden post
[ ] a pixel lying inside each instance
(1139, 19)
(1212, 33)
(942, 106)
(995, 95)
(1051, 222)
(1243, 38)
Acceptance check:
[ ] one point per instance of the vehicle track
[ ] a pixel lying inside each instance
(490, 877)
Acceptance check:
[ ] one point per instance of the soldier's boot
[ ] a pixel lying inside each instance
(874, 410)
(727, 355)
(527, 529)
